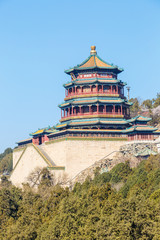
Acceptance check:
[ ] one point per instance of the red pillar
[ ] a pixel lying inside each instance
(102, 88)
(121, 110)
(105, 108)
(111, 89)
(117, 89)
(96, 88)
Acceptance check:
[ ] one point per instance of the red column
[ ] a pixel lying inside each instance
(46, 138)
(80, 109)
(98, 108)
(121, 110)
(117, 89)
(102, 88)
(111, 89)
(105, 108)
(96, 88)
(64, 112)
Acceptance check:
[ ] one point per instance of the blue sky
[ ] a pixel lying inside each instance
(40, 39)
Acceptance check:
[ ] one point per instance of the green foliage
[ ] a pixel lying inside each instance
(6, 161)
(120, 172)
(92, 210)
(135, 108)
(156, 101)
(147, 103)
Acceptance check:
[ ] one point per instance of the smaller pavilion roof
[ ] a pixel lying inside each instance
(140, 128)
(43, 131)
(139, 118)
(92, 62)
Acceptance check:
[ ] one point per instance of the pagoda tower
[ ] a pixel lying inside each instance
(94, 100)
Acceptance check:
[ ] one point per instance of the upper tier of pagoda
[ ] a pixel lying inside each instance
(94, 62)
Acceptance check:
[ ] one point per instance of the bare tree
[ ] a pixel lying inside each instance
(34, 178)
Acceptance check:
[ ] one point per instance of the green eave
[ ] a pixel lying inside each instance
(83, 101)
(77, 69)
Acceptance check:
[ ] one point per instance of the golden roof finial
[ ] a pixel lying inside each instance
(93, 50)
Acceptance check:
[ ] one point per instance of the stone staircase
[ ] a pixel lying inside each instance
(43, 155)
(46, 155)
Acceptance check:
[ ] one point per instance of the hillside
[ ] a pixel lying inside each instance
(121, 204)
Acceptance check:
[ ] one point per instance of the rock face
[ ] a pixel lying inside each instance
(126, 152)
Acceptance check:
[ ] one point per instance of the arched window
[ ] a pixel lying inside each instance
(86, 89)
(101, 108)
(94, 108)
(93, 88)
(106, 89)
(78, 90)
(99, 88)
(114, 89)
(85, 109)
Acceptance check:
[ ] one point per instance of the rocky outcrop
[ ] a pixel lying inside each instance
(126, 152)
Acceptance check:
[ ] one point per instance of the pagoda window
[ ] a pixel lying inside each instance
(109, 109)
(70, 90)
(94, 108)
(99, 88)
(86, 89)
(93, 88)
(77, 110)
(106, 89)
(114, 89)
(117, 109)
(78, 90)
(85, 109)
(101, 108)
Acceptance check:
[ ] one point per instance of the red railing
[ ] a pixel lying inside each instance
(91, 113)
(92, 92)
